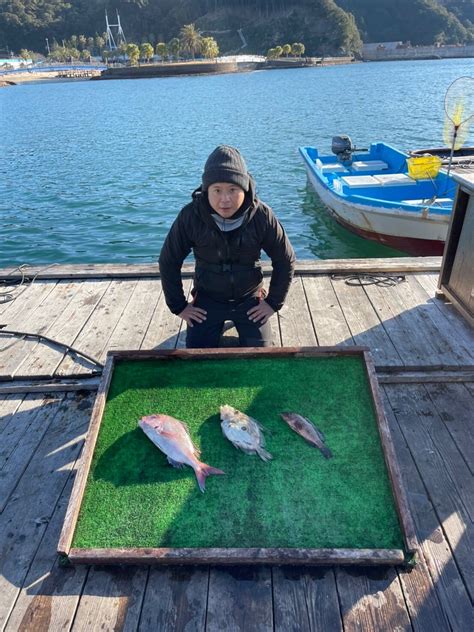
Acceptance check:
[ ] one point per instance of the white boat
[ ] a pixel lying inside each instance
(372, 193)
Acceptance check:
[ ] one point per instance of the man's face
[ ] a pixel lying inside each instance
(225, 198)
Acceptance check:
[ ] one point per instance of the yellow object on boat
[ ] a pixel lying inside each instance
(423, 167)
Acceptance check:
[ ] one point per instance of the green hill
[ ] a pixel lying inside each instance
(324, 26)
(417, 21)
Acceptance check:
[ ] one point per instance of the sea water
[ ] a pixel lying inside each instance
(96, 171)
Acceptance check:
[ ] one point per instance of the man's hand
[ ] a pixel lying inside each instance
(191, 313)
(260, 313)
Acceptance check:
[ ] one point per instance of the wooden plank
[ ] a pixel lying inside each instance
(94, 336)
(31, 428)
(470, 388)
(17, 425)
(305, 599)
(253, 352)
(276, 330)
(435, 375)
(456, 323)
(111, 600)
(371, 600)
(29, 299)
(175, 599)
(415, 418)
(398, 321)
(50, 593)
(429, 281)
(461, 278)
(435, 430)
(164, 327)
(44, 359)
(364, 323)
(133, 324)
(434, 589)
(453, 403)
(240, 600)
(463, 350)
(72, 513)
(24, 519)
(391, 464)
(438, 348)
(295, 320)
(85, 270)
(24, 311)
(218, 555)
(326, 313)
(38, 321)
(87, 383)
(8, 406)
(459, 306)
(326, 266)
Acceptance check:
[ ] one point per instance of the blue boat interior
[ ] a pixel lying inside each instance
(379, 177)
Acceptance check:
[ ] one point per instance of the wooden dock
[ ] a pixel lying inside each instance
(424, 356)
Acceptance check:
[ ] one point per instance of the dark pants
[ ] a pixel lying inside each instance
(207, 334)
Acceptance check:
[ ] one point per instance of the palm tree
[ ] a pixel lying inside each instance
(190, 39)
(146, 51)
(161, 50)
(297, 49)
(209, 48)
(133, 53)
(174, 46)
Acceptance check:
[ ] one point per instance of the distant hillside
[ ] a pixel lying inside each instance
(417, 21)
(462, 9)
(324, 26)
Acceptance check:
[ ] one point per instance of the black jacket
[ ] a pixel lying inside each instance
(226, 262)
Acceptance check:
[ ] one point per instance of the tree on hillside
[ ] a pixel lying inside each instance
(209, 48)
(161, 50)
(174, 47)
(387, 21)
(99, 42)
(190, 39)
(133, 53)
(297, 49)
(146, 51)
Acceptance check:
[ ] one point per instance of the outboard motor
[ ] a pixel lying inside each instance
(342, 146)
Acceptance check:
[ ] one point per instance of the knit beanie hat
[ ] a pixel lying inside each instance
(225, 164)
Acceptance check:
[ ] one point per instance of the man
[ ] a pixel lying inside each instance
(227, 227)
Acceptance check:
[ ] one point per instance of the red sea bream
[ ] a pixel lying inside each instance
(172, 437)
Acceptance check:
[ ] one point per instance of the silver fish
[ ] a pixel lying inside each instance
(244, 432)
(304, 427)
(172, 437)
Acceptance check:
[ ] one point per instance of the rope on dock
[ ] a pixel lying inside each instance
(9, 295)
(41, 338)
(383, 280)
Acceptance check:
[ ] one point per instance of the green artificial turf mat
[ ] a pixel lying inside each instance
(134, 498)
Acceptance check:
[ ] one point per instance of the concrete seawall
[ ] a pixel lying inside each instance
(216, 67)
(418, 52)
(169, 70)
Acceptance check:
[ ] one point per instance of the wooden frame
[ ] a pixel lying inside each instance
(458, 251)
(237, 555)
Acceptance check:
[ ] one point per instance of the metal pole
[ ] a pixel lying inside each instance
(47, 46)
